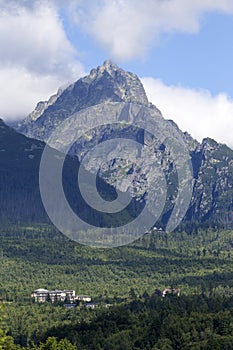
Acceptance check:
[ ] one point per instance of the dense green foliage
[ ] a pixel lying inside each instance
(186, 322)
(199, 264)
(147, 323)
(40, 257)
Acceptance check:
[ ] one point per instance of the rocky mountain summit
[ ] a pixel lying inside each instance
(104, 88)
(107, 83)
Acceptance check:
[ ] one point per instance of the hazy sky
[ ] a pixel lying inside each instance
(181, 49)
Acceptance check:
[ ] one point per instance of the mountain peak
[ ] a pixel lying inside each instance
(121, 85)
(106, 83)
(107, 66)
(109, 63)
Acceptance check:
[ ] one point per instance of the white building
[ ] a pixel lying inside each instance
(42, 295)
(83, 298)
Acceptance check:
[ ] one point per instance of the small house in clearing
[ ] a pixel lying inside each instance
(83, 298)
(167, 291)
(171, 291)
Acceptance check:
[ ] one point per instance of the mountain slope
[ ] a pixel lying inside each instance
(212, 199)
(213, 188)
(19, 177)
(20, 198)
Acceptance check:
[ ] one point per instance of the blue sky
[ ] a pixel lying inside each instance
(182, 50)
(198, 60)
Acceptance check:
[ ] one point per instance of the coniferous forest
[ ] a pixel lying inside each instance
(123, 282)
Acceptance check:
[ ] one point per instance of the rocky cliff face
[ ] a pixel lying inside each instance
(213, 188)
(212, 198)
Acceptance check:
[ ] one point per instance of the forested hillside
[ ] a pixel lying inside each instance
(126, 277)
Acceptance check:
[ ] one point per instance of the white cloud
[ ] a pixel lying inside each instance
(36, 57)
(195, 111)
(127, 28)
(21, 89)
